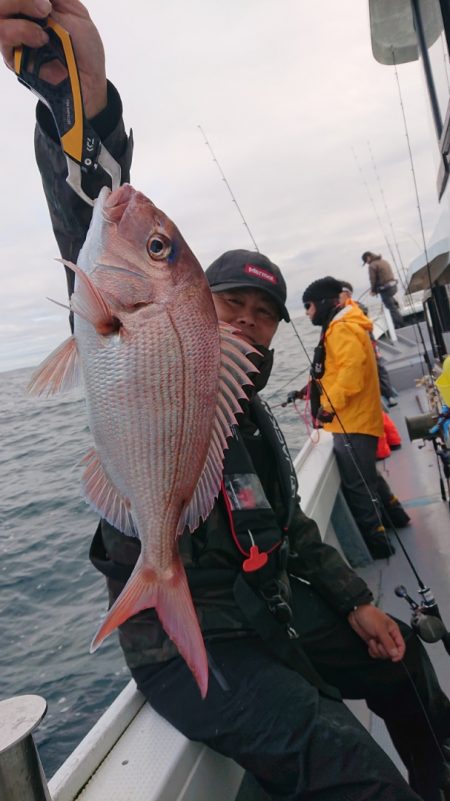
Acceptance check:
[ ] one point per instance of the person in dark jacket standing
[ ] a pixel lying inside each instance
(384, 284)
(288, 626)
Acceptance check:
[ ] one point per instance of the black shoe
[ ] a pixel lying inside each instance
(378, 543)
(396, 514)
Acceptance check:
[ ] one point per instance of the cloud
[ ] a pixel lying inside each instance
(286, 94)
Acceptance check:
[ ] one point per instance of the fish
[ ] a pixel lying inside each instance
(163, 381)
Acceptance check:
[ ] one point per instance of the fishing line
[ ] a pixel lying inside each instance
(227, 184)
(289, 381)
(214, 158)
(353, 455)
(388, 216)
(386, 238)
(424, 712)
(403, 280)
(351, 451)
(389, 247)
(374, 500)
(401, 274)
(370, 196)
(416, 190)
(435, 346)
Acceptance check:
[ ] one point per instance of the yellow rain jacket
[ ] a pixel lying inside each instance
(351, 377)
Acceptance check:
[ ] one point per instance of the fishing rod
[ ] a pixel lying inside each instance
(402, 274)
(426, 619)
(428, 599)
(435, 434)
(440, 447)
(214, 158)
(438, 319)
(392, 254)
(372, 202)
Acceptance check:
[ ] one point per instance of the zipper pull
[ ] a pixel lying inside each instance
(255, 561)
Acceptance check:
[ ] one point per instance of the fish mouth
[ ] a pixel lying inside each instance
(116, 203)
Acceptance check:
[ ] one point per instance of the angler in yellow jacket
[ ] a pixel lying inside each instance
(345, 400)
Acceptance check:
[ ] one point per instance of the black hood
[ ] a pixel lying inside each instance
(325, 311)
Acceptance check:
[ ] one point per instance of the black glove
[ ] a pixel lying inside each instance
(323, 416)
(296, 394)
(292, 396)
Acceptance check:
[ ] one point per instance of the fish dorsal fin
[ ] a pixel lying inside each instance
(59, 372)
(102, 495)
(234, 369)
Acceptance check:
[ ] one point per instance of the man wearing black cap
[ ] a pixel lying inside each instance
(285, 620)
(345, 400)
(383, 283)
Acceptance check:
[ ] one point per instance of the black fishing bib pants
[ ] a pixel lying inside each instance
(299, 744)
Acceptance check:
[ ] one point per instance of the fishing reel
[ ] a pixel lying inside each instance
(426, 618)
(434, 428)
(429, 426)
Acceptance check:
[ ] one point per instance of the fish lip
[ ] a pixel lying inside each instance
(115, 203)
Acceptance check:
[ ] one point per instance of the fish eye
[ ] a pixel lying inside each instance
(159, 247)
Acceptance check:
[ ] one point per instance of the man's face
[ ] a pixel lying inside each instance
(251, 311)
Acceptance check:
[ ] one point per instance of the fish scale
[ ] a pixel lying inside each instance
(163, 379)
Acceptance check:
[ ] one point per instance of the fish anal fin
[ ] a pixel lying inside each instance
(234, 370)
(59, 372)
(171, 598)
(101, 494)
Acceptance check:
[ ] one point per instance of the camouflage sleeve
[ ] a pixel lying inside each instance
(320, 564)
(70, 215)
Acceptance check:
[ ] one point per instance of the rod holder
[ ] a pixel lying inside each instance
(22, 777)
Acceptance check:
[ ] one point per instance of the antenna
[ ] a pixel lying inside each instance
(214, 158)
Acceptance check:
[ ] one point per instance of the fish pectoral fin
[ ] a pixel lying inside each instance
(59, 372)
(104, 497)
(173, 604)
(88, 302)
(234, 370)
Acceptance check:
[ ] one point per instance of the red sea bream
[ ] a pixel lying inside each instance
(162, 380)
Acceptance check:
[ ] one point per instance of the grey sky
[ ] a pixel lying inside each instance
(283, 90)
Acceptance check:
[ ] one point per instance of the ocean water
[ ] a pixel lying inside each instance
(51, 598)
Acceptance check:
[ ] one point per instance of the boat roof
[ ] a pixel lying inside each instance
(394, 39)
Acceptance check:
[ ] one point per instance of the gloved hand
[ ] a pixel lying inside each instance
(296, 394)
(323, 416)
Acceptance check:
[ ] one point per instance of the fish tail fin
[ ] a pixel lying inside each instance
(173, 603)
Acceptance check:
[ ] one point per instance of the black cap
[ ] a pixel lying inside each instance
(365, 254)
(243, 268)
(322, 289)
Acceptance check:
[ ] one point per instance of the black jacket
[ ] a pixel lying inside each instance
(211, 561)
